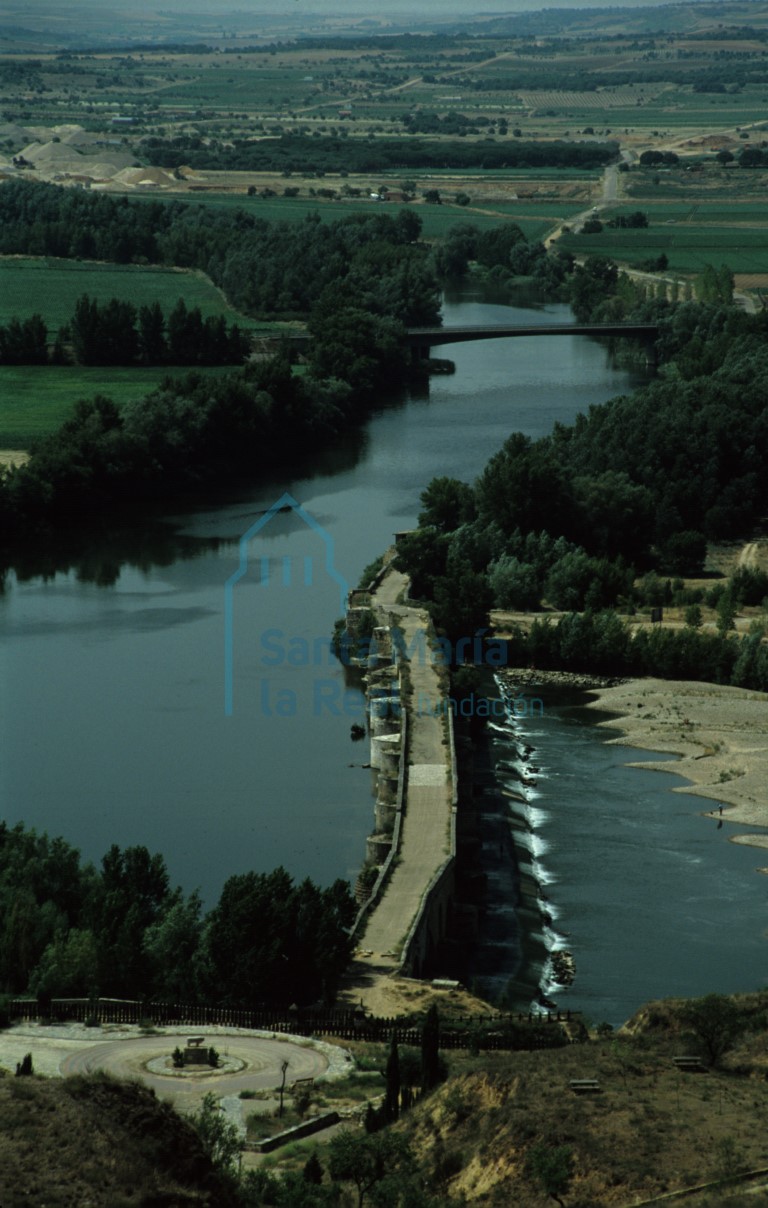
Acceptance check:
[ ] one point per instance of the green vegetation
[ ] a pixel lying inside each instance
(688, 248)
(48, 286)
(37, 399)
(102, 1142)
(122, 931)
(572, 518)
(301, 153)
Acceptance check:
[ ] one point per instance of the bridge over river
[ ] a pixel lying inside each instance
(422, 339)
(432, 336)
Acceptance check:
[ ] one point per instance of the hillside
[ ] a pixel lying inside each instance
(98, 1142)
(504, 1128)
(651, 1129)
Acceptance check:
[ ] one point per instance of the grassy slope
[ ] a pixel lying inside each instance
(651, 1129)
(98, 1142)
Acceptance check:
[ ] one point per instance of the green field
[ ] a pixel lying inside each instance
(51, 288)
(36, 399)
(436, 219)
(687, 247)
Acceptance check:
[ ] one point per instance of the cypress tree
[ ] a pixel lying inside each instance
(430, 1050)
(392, 1096)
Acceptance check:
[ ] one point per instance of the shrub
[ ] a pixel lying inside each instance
(24, 1067)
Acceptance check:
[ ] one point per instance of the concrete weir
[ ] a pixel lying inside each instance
(407, 886)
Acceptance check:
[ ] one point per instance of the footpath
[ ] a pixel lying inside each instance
(425, 832)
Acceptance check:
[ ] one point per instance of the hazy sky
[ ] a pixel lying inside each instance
(381, 8)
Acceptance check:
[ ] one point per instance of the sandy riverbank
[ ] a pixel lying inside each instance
(720, 733)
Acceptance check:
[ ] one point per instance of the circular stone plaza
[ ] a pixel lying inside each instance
(249, 1061)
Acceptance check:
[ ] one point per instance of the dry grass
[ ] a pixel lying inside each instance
(96, 1141)
(650, 1130)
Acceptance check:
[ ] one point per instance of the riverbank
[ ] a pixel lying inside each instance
(719, 733)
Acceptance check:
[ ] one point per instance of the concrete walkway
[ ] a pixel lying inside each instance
(426, 817)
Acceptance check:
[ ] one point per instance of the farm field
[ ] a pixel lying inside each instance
(730, 187)
(698, 213)
(36, 399)
(51, 287)
(688, 247)
(436, 219)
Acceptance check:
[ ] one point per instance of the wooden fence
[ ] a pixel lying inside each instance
(513, 1031)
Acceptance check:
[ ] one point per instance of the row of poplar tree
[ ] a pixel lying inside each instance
(118, 333)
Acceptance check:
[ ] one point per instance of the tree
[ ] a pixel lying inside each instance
(447, 503)
(367, 1160)
(132, 894)
(69, 966)
(726, 612)
(84, 329)
(313, 1170)
(497, 244)
(430, 1050)
(392, 1075)
(462, 598)
(153, 349)
(715, 1022)
(514, 584)
(268, 940)
(172, 946)
(219, 1135)
(552, 1167)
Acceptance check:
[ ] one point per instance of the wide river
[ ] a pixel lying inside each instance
(126, 717)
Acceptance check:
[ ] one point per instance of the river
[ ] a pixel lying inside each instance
(114, 672)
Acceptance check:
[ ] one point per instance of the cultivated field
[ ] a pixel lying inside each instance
(51, 287)
(688, 247)
(36, 399)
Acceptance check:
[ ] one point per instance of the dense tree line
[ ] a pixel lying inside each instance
(753, 157)
(661, 159)
(425, 122)
(639, 484)
(500, 253)
(356, 282)
(307, 153)
(199, 429)
(600, 642)
(24, 342)
(69, 928)
(116, 333)
(264, 268)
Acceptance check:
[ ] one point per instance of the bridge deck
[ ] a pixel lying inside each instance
(424, 337)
